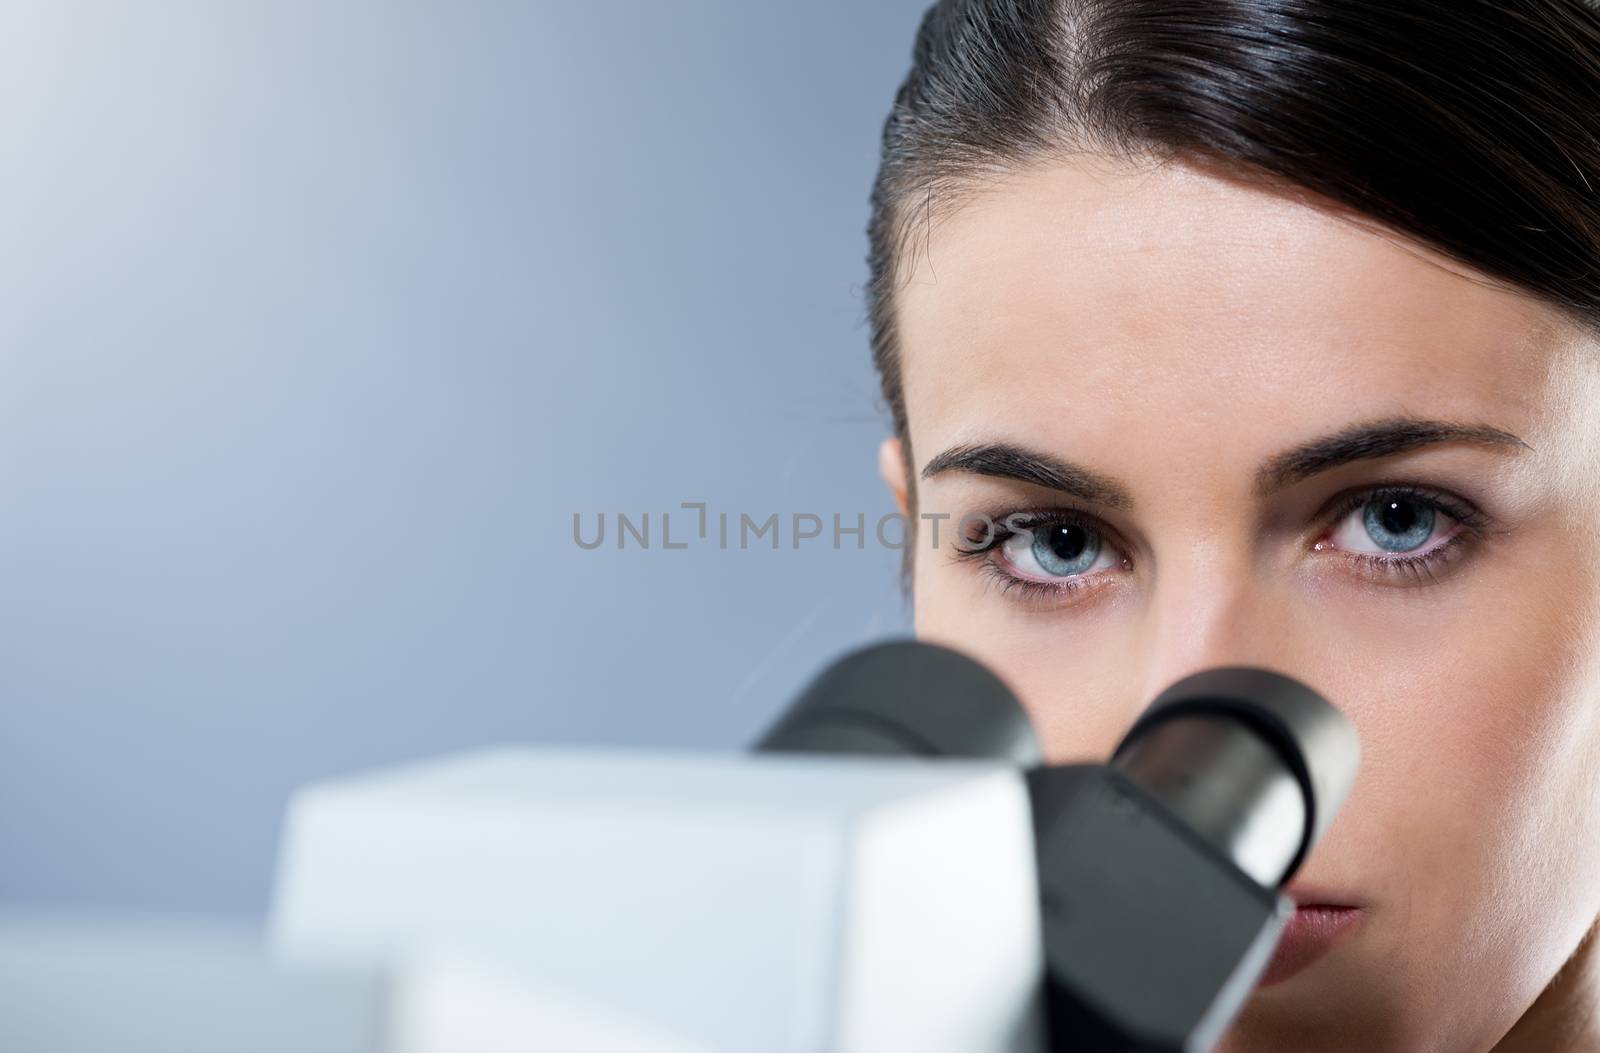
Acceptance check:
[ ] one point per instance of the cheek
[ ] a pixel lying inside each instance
(1477, 714)
(1474, 822)
(1064, 671)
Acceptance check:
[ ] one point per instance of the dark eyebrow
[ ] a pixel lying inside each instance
(1361, 442)
(1007, 461)
(1358, 442)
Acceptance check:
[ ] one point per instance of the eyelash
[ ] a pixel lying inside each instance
(1415, 569)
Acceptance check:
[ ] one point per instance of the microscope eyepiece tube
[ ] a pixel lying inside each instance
(1254, 761)
(907, 697)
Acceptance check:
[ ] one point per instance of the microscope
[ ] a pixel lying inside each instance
(893, 867)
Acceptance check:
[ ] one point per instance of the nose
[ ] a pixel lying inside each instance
(1212, 609)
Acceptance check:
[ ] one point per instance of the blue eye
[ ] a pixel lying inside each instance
(1406, 534)
(1398, 524)
(1392, 523)
(1064, 549)
(1048, 550)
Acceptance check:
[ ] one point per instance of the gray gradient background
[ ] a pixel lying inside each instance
(319, 322)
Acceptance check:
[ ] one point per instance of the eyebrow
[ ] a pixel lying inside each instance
(1357, 442)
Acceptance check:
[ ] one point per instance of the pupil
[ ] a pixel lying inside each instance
(1398, 517)
(1066, 542)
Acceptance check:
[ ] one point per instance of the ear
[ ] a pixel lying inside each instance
(892, 466)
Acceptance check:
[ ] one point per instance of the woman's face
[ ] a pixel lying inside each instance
(1144, 348)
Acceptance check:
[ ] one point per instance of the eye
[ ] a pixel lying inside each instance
(1050, 551)
(1402, 532)
(1392, 524)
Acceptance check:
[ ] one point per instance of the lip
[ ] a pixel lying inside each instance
(1309, 935)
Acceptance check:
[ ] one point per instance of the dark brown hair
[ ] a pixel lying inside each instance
(1470, 125)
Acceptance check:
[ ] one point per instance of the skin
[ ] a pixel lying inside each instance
(1174, 326)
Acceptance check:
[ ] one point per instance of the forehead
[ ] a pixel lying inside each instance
(1067, 302)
